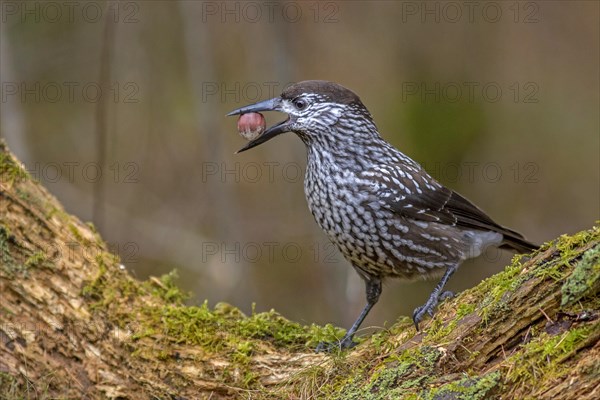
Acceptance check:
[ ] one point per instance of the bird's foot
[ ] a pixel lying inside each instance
(329, 347)
(429, 306)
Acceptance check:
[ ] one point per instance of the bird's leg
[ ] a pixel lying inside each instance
(435, 296)
(373, 290)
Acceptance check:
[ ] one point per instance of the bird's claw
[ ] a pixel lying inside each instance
(418, 315)
(429, 307)
(446, 295)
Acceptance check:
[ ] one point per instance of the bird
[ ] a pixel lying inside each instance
(387, 216)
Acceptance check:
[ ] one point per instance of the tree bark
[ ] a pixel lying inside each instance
(75, 325)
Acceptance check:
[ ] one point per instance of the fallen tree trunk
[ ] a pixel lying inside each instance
(75, 324)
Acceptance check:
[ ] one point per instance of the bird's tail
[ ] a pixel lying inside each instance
(515, 241)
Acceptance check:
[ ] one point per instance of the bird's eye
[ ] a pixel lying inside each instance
(300, 104)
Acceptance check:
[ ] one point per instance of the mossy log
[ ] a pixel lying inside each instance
(74, 324)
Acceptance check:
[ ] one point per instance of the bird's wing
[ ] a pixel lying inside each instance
(409, 191)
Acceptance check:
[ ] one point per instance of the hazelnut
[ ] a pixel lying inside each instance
(251, 125)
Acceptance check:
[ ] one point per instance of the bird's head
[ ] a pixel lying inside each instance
(318, 112)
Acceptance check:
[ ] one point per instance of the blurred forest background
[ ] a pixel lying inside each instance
(119, 109)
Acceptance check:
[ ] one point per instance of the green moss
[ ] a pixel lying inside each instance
(439, 328)
(467, 388)
(544, 355)
(465, 309)
(77, 235)
(275, 328)
(92, 227)
(109, 290)
(216, 332)
(403, 375)
(222, 308)
(8, 264)
(5, 237)
(584, 280)
(224, 331)
(243, 352)
(394, 381)
(96, 288)
(166, 288)
(223, 334)
(380, 373)
(498, 288)
(10, 170)
(380, 340)
(37, 259)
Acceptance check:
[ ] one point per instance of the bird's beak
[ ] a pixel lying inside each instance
(277, 129)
